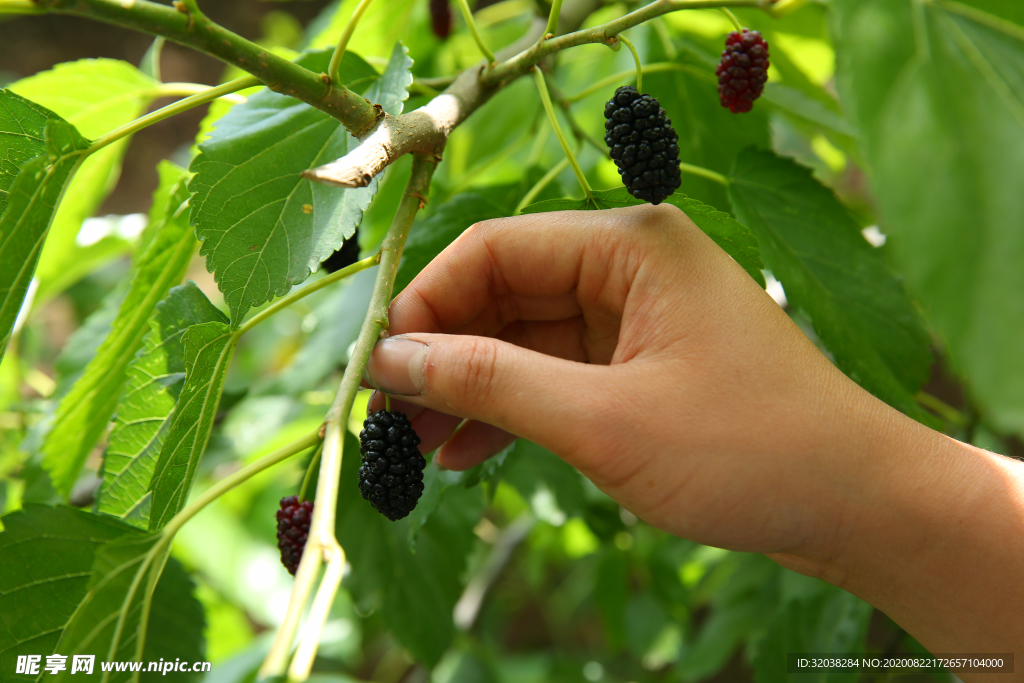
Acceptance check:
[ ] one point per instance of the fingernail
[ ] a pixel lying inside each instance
(397, 366)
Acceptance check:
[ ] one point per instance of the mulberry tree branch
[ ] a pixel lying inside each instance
(322, 546)
(184, 25)
(425, 130)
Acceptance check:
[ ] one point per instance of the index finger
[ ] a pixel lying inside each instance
(508, 269)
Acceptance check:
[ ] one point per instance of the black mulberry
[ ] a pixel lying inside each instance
(293, 530)
(391, 476)
(743, 70)
(643, 144)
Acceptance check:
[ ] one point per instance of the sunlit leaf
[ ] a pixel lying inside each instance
(146, 407)
(938, 97)
(208, 350)
(96, 96)
(32, 200)
(84, 412)
(265, 228)
(814, 246)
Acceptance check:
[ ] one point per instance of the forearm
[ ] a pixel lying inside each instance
(934, 537)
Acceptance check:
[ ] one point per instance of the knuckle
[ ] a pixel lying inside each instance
(481, 367)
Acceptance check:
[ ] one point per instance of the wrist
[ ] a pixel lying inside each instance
(927, 529)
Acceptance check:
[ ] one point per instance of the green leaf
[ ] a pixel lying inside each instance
(96, 96)
(553, 487)
(208, 351)
(46, 556)
(146, 408)
(415, 591)
(110, 621)
(611, 591)
(21, 137)
(938, 97)
(822, 619)
(736, 239)
(84, 412)
(265, 228)
(32, 200)
(858, 307)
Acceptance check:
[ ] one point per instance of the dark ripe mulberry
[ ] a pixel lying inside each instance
(643, 144)
(293, 530)
(743, 70)
(441, 18)
(391, 476)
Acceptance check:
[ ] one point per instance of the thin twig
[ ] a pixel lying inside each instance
(467, 16)
(298, 294)
(322, 545)
(172, 109)
(636, 59)
(545, 98)
(346, 35)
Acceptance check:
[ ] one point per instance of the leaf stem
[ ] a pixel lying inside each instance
(943, 409)
(552, 27)
(636, 58)
(298, 294)
(346, 35)
(231, 481)
(467, 15)
(732, 18)
(704, 173)
(322, 544)
(308, 476)
(172, 109)
(545, 97)
(619, 77)
(525, 60)
(532, 193)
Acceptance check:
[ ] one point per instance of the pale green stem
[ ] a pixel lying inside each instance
(636, 59)
(467, 15)
(308, 476)
(298, 294)
(186, 89)
(623, 75)
(322, 541)
(944, 410)
(305, 654)
(732, 18)
(545, 97)
(172, 109)
(346, 35)
(540, 185)
(227, 483)
(552, 27)
(704, 173)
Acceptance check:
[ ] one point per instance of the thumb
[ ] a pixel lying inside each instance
(548, 400)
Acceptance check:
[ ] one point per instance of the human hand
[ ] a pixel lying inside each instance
(629, 344)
